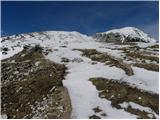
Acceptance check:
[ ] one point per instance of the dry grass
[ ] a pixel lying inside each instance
(148, 66)
(153, 46)
(108, 59)
(118, 93)
(34, 79)
(134, 53)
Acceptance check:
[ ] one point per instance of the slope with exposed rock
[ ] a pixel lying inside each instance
(32, 87)
(58, 74)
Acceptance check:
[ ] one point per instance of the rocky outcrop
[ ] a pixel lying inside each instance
(123, 35)
(111, 37)
(116, 38)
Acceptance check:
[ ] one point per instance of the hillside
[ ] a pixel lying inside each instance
(58, 74)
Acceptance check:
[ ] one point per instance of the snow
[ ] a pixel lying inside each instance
(78, 84)
(144, 79)
(137, 106)
(12, 52)
(144, 45)
(46, 39)
(83, 94)
(132, 32)
(3, 116)
(80, 89)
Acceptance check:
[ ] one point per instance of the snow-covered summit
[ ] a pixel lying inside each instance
(132, 32)
(48, 34)
(129, 34)
(47, 39)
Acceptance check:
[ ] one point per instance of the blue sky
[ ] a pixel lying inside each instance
(85, 17)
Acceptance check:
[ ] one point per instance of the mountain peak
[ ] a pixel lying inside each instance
(129, 34)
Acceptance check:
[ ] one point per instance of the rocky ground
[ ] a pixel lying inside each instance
(32, 87)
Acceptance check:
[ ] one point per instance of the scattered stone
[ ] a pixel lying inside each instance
(37, 63)
(97, 109)
(47, 51)
(63, 46)
(103, 114)
(55, 49)
(78, 60)
(5, 49)
(93, 63)
(16, 72)
(26, 74)
(94, 117)
(112, 96)
(4, 53)
(102, 96)
(52, 89)
(12, 61)
(23, 55)
(150, 115)
(64, 59)
(139, 98)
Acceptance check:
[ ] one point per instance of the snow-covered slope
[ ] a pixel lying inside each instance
(48, 39)
(127, 34)
(63, 47)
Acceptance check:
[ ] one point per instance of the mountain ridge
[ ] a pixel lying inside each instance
(124, 32)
